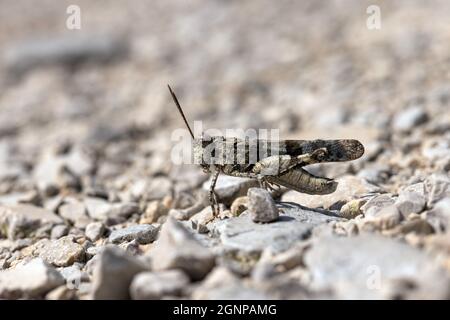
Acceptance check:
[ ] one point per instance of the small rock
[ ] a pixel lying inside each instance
(437, 187)
(97, 208)
(349, 188)
(439, 216)
(408, 119)
(372, 207)
(19, 221)
(61, 293)
(352, 209)
(411, 200)
(185, 214)
(261, 206)
(201, 219)
(156, 285)
(221, 284)
(386, 218)
(101, 210)
(75, 212)
(20, 244)
(229, 188)
(93, 251)
(62, 252)
(94, 231)
(142, 233)
(73, 276)
(375, 174)
(59, 231)
(131, 247)
(149, 190)
(176, 248)
(271, 263)
(155, 209)
(120, 212)
(362, 267)
(113, 274)
(54, 172)
(32, 280)
(239, 205)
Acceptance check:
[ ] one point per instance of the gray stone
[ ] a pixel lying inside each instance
(148, 190)
(439, 216)
(187, 213)
(110, 213)
(74, 276)
(176, 248)
(155, 210)
(131, 247)
(200, 220)
(59, 231)
(296, 224)
(437, 187)
(94, 231)
(221, 284)
(239, 205)
(97, 208)
(411, 200)
(229, 188)
(408, 119)
(372, 207)
(352, 209)
(20, 244)
(32, 280)
(54, 171)
(18, 221)
(61, 293)
(142, 233)
(384, 219)
(120, 212)
(376, 173)
(75, 212)
(349, 188)
(156, 285)
(365, 266)
(62, 252)
(113, 274)
(261, 206)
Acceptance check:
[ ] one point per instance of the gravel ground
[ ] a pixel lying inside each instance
(91, 207)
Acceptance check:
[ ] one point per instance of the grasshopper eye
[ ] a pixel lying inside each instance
(321, 154)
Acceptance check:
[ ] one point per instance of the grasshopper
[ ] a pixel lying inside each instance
(281, 165)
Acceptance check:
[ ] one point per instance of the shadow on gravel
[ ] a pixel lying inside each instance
(293, 205)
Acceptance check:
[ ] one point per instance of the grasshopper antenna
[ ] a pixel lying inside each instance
(174, 97)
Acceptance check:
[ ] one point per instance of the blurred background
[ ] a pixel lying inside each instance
(312, 69)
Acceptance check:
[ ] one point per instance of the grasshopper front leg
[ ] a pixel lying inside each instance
(212, 194)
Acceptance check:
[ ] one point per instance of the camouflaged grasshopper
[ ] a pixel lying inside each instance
(280, 165)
